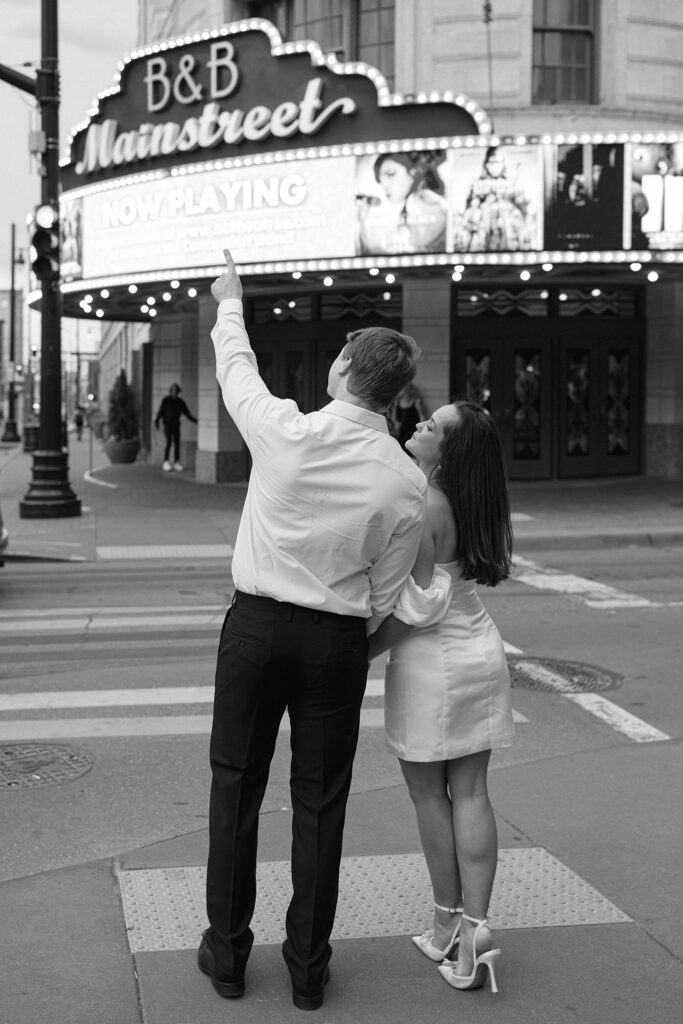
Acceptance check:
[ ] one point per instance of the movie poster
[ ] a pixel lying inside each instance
(584, 197)
(401, 203)
(656, 192)
(496, 199)
(71, 239)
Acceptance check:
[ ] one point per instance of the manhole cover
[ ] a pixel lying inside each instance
(26, 765)
(554, 676)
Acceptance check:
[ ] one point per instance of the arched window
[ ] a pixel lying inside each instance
(564, 51)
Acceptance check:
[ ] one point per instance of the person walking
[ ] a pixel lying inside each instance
(447, 702)
(171, 409)
(330, 529)
(78, 423)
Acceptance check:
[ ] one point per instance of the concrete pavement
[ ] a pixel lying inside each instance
(137, 507)
(586, 907)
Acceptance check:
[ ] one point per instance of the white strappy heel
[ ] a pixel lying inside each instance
(425, 944)
(481, 962)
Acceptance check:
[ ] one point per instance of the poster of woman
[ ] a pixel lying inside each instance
(496, 199)
(584, 197)
(656, 192)
(401, 203)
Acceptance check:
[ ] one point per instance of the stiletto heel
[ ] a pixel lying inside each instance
(424, 942)
(481, 963)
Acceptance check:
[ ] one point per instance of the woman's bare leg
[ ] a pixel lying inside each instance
(476, 843)
(427, 785)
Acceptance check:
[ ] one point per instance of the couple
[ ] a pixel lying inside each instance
(335, 518)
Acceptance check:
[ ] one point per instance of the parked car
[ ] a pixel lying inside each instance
(4, 538)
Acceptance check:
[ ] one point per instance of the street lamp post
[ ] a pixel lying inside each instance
(10, 434)
(49, 495)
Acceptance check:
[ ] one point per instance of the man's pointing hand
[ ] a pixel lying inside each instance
(228, 285)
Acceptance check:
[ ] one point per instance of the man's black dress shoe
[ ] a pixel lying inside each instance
(228, 986)
(305, 999)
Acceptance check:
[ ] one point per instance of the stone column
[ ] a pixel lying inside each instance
(169, 366)
(427, 318)
(221, 454)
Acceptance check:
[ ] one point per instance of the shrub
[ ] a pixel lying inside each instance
(123, 418)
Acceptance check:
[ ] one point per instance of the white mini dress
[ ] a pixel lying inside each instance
(447, 691)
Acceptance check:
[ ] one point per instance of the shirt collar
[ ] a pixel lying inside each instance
(357, 414)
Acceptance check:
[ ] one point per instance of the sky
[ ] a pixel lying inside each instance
(93, 37)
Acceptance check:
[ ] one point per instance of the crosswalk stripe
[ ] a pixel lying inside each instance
(22, 730)
(594, 594)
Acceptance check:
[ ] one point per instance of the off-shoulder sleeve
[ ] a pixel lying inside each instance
(418, 607)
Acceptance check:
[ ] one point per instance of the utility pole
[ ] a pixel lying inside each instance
(49, 495)
(10, 434)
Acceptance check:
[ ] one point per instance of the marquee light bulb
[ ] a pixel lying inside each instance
(192, 292)
(653, 276)
(328, 281)
(175, 284)
(390, 278)
(132, 288)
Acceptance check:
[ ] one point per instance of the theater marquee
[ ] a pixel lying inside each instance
(297, 161)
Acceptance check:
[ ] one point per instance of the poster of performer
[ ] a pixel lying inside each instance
(656, 193)
(401, 203)
(496, 199)
(584, 196)
(71, 239)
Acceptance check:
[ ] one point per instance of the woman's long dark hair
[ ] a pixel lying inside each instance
(471, 474)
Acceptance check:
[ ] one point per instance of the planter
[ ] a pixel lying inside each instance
(122, 451)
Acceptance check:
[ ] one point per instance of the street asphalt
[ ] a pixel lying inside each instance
(603, 945)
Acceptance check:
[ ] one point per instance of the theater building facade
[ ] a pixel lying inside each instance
(508, 192)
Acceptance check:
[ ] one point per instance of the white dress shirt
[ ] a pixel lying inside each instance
(334, 509)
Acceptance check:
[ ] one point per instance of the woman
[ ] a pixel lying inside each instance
(448, 688)
(413, 213)
(406, 413)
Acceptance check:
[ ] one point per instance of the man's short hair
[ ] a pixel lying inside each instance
(382, 362)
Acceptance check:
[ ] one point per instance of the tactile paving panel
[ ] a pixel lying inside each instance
(389, 895)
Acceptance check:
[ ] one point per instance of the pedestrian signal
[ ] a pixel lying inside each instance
(45, 243)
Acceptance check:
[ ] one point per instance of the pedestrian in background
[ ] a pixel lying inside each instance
(171, 409)
(447, 693)
(78, 423)
(405, 413)
(331, 526)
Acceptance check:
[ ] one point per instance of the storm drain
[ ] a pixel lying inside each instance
(554, 676)
(27, 765)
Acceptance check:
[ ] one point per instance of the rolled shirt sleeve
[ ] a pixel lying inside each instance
(421, 608)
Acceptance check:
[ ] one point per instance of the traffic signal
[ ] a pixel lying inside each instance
(45, 242)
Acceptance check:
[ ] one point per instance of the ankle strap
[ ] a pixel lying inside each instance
(449, 910)
(475, 920)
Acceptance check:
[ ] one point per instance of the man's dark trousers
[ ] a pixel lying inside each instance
(273, 656)
(172, 432)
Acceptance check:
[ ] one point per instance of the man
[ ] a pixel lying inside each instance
(171, 409)
(331, 526)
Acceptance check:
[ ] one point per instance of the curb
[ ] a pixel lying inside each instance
(587, 541)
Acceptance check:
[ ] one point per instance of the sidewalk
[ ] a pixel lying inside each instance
(135, 508)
